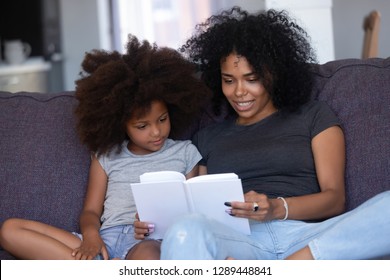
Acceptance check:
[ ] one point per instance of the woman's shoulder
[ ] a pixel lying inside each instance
(315, 105)
(319, 116)
(216, 127)
(315, 108)
(209, 133)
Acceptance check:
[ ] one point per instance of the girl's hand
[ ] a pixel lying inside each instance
(246, 209)
(142, 229)
(90, 247)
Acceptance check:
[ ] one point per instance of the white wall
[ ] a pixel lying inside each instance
(315, 16)
(348, 26)
(84, 26)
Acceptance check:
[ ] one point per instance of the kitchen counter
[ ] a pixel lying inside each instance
(32, 64)
(32, 75)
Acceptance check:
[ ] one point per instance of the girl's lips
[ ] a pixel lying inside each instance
(158, 142)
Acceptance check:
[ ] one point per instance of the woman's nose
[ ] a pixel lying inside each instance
(240, 90)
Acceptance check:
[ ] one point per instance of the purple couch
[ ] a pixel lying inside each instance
(44, 168)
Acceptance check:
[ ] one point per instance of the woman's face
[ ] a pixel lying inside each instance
(148, 133)
(244, 91)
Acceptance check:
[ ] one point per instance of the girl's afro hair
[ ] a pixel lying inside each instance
(113, 87)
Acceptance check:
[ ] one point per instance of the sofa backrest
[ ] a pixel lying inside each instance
(43, 166)
(359, 93)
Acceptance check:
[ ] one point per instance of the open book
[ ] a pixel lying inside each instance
(163, 197)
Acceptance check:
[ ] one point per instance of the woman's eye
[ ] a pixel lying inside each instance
(227, 81)
(140, 127)
(253, 80)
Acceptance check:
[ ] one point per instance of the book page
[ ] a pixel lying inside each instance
(209, 198)
(162, 176)
(160, 203)
(213, 177)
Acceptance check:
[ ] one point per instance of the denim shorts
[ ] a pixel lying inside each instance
(118, 240)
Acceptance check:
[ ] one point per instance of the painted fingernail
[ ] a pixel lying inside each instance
(151, 228)
(229, 211)
(228, 204)
(146, 234)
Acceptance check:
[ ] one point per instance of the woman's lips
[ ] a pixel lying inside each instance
(244, 106)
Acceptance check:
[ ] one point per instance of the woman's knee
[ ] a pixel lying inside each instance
(192, 237)
(190, 228)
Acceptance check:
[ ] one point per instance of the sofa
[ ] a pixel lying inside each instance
(44, 167)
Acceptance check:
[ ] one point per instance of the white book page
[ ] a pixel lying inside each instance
(162, 176)
(213, 177)
(209, 198)
(160, 203)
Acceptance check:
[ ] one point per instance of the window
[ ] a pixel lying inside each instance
(164, 22)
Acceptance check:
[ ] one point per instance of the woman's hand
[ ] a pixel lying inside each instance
(142, 229)
(265, 207)
(90, 247)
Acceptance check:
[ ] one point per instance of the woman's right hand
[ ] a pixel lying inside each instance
(142, 229)
(266, 207)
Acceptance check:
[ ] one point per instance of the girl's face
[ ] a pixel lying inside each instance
(244, 91)
(148, 133)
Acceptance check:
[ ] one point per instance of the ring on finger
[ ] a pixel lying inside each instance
(255, 207)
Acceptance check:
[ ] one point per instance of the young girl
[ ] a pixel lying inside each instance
(127, 106)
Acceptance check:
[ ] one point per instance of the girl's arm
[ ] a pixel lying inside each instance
(90, 224)
(202, 170)
(194, 172)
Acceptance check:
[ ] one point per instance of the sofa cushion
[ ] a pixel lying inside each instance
(44, 168)
(359, 92)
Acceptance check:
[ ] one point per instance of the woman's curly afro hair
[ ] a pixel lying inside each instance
(275, 46)
(113, 87)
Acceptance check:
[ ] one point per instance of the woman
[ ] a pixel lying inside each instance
(289, 151)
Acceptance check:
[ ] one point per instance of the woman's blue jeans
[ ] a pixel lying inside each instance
(362, 233)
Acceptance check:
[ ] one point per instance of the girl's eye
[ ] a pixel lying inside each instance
(140, 127)
(164, 118)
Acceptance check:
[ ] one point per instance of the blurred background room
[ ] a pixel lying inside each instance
(42, 42)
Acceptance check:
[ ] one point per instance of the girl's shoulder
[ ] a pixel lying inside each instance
(178, 144)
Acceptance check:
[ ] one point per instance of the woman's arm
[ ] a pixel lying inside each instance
(329, 156)
(90, 216)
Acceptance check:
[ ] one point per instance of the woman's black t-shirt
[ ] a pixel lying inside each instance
(273, 156)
